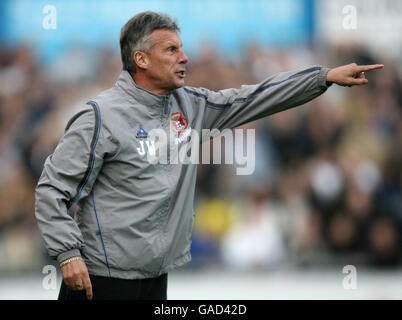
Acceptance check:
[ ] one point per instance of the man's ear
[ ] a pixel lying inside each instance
(141, 59)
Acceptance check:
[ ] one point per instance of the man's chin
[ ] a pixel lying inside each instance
(178, 84)
(174, 85)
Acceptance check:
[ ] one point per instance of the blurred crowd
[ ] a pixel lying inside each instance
(327, 185)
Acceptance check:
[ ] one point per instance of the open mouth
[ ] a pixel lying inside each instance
(181, 74)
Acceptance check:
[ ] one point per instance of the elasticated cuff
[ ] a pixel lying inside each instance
(322, 78)
(68, 254)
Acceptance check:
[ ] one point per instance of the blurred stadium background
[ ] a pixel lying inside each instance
(326, 191)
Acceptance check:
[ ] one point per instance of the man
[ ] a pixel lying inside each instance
(116, 222)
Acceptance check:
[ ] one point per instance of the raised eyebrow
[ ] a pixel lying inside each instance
(173, 44)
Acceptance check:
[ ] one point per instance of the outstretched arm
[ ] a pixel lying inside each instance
(351, 74)
(231, 108)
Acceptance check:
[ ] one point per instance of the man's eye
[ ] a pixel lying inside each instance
(172, 49)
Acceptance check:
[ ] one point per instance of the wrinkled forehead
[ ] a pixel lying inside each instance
(163, 37)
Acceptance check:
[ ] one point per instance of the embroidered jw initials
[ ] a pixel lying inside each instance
(150, 147)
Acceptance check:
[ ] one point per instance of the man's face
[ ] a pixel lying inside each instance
(166, 63)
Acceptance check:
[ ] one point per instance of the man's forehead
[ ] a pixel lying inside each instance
(162, 36)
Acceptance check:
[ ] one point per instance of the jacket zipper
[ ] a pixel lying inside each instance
(166, 204)
(166, 105)
(166, 111)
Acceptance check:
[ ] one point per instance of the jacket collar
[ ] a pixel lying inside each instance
(144, 96)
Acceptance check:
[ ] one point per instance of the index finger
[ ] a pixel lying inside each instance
(87, 286)
(369, 67)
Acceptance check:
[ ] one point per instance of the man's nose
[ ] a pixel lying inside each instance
(183, 57)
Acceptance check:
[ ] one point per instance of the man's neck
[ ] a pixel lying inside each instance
(144, 82)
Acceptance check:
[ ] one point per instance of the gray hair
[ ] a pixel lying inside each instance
(135, 34)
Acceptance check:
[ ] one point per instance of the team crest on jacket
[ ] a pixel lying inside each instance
(179, 123)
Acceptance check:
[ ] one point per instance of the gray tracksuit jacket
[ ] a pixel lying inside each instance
(101, 198)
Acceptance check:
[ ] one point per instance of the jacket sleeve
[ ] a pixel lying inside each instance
(68, 175)
(231, 108)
